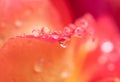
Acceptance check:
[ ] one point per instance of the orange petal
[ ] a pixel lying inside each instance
(21, 16)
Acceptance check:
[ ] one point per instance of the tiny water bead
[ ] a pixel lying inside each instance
(39, 66)
(79, 32)
(82, 23)
(55, 35)
(67, 31)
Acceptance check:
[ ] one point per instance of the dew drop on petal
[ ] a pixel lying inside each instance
(84, 23)
(36, 32)
(55, 35)
(38, 67)
(78, 31)
(107, 47)
(64, 43)
(45, 30)
(67, 30)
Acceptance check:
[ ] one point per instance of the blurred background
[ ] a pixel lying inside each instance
(97, 8)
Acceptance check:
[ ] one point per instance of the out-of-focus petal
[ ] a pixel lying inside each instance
(29, 59)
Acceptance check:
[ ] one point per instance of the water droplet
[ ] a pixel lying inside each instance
(38, 67)
(55, 35)
(107, 47)
(79, 31)
(64, 43)
(84, 23)
(36, 32)
(67, 30)
(45, 30)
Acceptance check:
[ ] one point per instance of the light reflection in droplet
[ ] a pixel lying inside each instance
(107, 47)
(64, 43)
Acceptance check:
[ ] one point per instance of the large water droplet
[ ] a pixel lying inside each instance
(36, 32)
(44, 32)
(64, 42)
(3, 24)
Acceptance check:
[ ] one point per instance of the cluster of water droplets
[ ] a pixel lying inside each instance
(64, 36)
